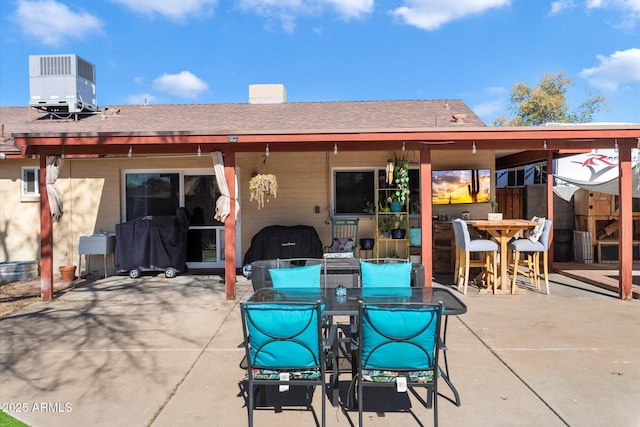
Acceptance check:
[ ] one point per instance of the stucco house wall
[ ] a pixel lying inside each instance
(92, 194)
(19, 217)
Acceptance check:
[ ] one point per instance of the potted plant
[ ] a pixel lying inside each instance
(384, 226)
(262, 187)
(398, 231)
(494, 216)
(394, 203)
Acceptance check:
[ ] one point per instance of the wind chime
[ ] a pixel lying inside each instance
(389, 172)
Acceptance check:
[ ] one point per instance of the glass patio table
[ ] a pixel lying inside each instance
(348, 305)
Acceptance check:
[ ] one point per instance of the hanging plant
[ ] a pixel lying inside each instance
(401, 180)
(262, 187)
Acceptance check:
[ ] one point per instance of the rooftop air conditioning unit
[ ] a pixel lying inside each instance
(62, 83)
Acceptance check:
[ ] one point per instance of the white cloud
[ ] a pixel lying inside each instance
(183, 84)
(433, 14)
(488, 109)
(629, 9)
(628, 5)
(53, 23)
(286, 11)
(497, 90)
(349, 9)
(175, 10)
(620, 68)
(560, 5)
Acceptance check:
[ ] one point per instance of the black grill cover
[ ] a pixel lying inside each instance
(152, 243)
(279, 241)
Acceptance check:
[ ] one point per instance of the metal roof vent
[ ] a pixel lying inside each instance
(267, 94)
(62, 84)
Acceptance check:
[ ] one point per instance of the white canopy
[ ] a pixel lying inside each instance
(607, 187)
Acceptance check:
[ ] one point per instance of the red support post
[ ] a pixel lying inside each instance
(625, 237)
(426, 215)
(550, 205)
(230, 226)
(46, 236)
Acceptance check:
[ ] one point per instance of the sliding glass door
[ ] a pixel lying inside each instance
(205, 241)
(153, 192)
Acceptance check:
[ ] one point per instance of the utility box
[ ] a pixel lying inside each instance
(62, 84)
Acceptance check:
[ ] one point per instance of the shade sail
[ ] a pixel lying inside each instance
(607, 187)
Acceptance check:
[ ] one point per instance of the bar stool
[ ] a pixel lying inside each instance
(464, 246)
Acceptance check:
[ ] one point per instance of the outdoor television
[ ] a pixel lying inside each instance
(452, 187)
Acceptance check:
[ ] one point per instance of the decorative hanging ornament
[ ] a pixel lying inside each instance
(389, 171)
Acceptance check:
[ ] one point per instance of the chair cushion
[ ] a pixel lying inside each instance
(525, 245)
(379, 376)
(338, 255)
(296, 277)
(342, 244)
(389, 275)
(398, 338)
(535, 232)
(273, 374)
(482, 245)
(267, 324)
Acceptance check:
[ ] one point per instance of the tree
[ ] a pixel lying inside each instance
(547, 103)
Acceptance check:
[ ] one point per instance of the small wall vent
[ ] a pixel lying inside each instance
(62, 84)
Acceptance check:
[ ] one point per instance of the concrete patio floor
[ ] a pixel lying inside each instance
(164, 352)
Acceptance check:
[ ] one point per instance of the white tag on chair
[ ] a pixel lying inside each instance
(401, 384)
(284, 376)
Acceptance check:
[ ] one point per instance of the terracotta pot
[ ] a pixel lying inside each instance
(68, 272)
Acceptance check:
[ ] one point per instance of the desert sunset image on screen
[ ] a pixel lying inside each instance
(450, 187)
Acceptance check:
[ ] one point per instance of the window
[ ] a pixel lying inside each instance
(532, 174)
(150, 193)
(516, 177)
(539, 173)
(31, 181)
(353, 189)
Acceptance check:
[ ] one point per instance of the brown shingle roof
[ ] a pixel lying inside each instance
(220, 119)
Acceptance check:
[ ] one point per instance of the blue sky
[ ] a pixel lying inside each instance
(210, 51)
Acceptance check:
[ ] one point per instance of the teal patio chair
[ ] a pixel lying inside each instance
(399, 348)
(299, 273)
(344, 238)
(284, 347)
(385, 272)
